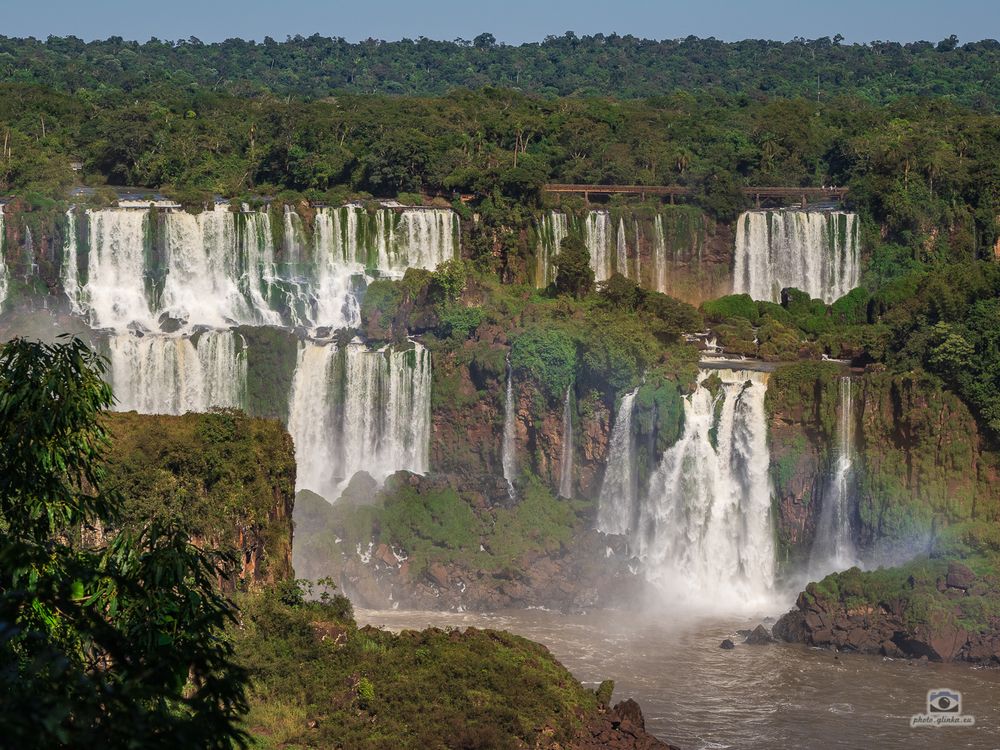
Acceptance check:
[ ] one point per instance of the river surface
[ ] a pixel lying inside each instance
(696, 695)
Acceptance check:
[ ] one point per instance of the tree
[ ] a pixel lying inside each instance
(116, 644)
(573, 272)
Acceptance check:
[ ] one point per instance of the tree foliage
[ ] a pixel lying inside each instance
(114, 643)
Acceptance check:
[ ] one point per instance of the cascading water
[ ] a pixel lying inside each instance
(659, 255)
(219, 267)
(552, 230)
(429, 237)
(814, 251)
(705, 532)
(115, 293)
(353, 410)
(598, 238)
(70, 270)
(508, 454)
(833, 548)
(202, 279)
(566, 459)
(621, 250)
(177, 374)
(619, 490)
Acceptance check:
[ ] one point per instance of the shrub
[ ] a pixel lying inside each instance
(731, 306)
(547, 356)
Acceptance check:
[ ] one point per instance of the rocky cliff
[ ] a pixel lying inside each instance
(444, 542)
(942, 606)
(922, 463)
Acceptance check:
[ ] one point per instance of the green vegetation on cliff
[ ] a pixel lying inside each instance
(228, 478)
(113, 643)
(317, 680)
(440, 524)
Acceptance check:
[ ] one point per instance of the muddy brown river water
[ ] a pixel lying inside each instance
(697, 695)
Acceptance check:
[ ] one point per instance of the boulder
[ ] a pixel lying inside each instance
(628, 710)
(959, 576)
(439, 574)
(759, 637)
(727, 644)
(791, 627)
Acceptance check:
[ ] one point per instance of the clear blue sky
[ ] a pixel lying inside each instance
(511, 21)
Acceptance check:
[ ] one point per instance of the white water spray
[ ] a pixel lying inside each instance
(353, 410)
(705, 533)
(177, 374)
(598, 239)
(566, 459)
(619, 490)
(814, 251)
(833, 548)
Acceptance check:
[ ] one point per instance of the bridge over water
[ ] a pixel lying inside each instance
(803, 194)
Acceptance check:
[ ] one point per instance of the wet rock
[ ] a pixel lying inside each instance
(439, 574)
(891, 650)
(959, 576)
(759, 637)
(791, 627)
(170, 325)
(629, 710)
(727, 644)
(361, 490)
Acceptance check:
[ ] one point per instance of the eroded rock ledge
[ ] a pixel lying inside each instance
(944, 610)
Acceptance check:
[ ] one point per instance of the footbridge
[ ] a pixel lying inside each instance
(802, 194)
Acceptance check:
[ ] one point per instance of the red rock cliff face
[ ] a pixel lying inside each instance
(468, 416)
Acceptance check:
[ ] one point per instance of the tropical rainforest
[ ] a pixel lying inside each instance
(147, 574)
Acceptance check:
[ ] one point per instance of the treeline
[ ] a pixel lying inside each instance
(621, 66)
(928, 171)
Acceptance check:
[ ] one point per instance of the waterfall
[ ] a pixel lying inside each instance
(115, 292)
(621, 250)
(353, 410)
(428, 237)
(552, 230)
(659, 275)
(258, 276)
(3, 264)
(218, 268)
(201, 283)
(705, 531)
(833, 548)
(814, 251)
(340, 257)
(70, 266)
(177, 374)
(509, 449)
(598, 238)
(566, 460)
(616, 506)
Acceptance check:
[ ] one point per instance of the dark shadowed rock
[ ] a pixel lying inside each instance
(361, 490)
(727, 644)
(628, 710)
(791, 627)
(759, 637)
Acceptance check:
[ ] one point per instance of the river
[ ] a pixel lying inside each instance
(696, 695)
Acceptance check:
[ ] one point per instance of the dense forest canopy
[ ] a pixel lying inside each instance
(622, 66)
(912, 165)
